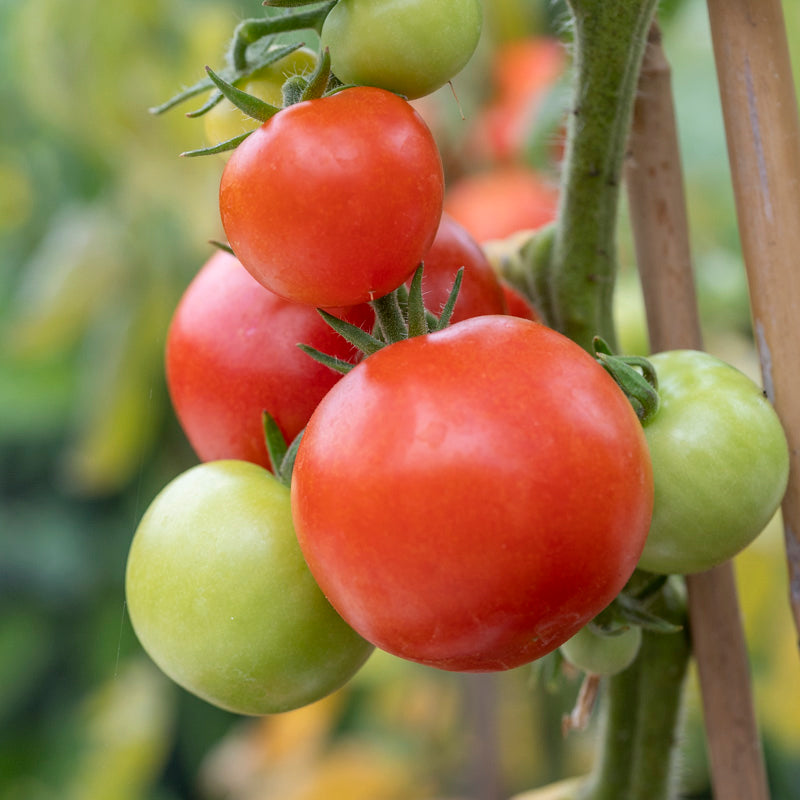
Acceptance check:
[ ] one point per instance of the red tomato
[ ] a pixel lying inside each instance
(334, 201)
(523, 71)
(480, 292)
(517, 305)
(471, 498)
(232, 353)
(495, 204)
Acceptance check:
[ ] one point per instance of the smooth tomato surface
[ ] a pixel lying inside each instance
(411, 47)
(471, 498)
(334, 201)
(720, 462)
(480, 292)
(222, 601)
(232, 354)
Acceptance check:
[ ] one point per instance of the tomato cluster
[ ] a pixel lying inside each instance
(467, 496)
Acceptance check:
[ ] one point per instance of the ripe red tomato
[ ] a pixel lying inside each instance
(232, 353)
(497, 203)
(471, 498)
(517, 305)
(453, 248)
(334, 201)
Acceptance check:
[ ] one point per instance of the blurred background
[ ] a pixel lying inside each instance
(102, 226)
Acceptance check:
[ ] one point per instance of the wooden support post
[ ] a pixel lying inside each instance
(759, 107)
(659, 220)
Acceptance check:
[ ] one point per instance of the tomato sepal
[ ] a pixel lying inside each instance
(635, 375)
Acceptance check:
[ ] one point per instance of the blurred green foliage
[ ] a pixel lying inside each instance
(101, 228)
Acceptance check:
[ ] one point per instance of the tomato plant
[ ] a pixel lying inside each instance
(222, 601)
(232, 354)
(600, 654)
(470, 498)
(720, 462)
(480, 291)
(411, 47)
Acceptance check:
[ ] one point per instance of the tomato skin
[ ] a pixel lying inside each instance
(224, 120)
(720, 462)
(498, 493)
(221, 599)
(360, 171)
(602, 655)
(517, 304)
(232, 353)
(453, 248)
(411, 47)
(500, 202)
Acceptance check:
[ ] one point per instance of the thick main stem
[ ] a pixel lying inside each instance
(610, 36)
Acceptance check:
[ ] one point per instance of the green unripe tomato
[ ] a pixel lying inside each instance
(598, 654)
(221, 598)
(224, 120)
(411, 47)
(720, 463)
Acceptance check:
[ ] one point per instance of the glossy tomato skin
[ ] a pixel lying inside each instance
(334, 201)
(471, 498)
(411, 47)
(232, 353)
(720, 462)
(221, 599)
(480, 292)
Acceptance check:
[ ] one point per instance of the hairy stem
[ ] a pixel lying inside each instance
(610, 36)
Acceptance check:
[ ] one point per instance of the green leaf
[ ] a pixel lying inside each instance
(417, 320)
(447, 311)
(336, 364)
(252, 106)
(222, 147)
(275, 442)
(358, 337)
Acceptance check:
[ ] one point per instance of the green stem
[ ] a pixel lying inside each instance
(610, 37)
(642, 713)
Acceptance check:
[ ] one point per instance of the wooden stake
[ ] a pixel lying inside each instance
(661, 235)
(761, 124)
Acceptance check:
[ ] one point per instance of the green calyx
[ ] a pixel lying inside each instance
(635, 375)
(399, 315)
(255, 45)
(281, 454)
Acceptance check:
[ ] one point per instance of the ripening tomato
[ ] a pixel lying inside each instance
(411, 47)
(224, 120)
(720, 462)
(232, 354)
(221, 599)
(599, 654)
(517, 304)
(501, 202)
(480, 291)
(334, 201)
(469, 499)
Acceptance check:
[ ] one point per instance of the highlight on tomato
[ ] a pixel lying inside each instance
(469, 499)
(334, 201)
(232, 354)
(221, 599)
